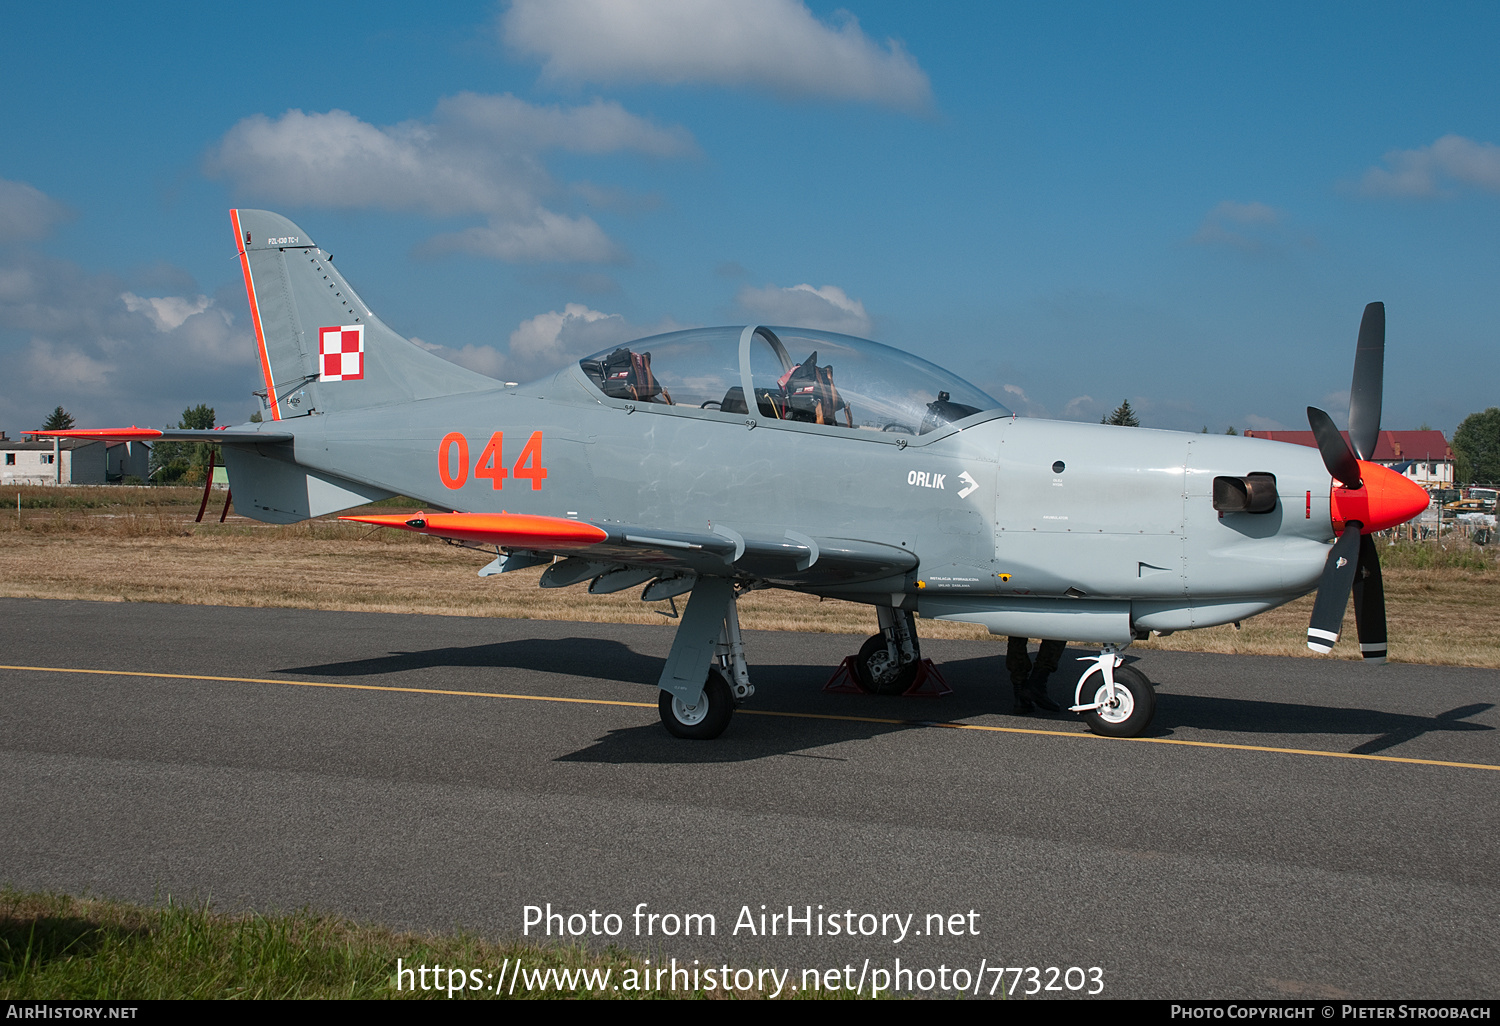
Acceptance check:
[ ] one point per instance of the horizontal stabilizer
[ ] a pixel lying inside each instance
(218, 436)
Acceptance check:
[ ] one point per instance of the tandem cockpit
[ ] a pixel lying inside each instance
(796, 375)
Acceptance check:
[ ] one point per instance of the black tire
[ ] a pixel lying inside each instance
(876, 672)
(1136, 705)
(704, 721)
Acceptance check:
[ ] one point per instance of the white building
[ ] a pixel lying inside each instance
(71, 461)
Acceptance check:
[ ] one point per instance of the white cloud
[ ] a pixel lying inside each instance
(166, 312)
(547, 238)
(1082, 407)
(1425, 171)
(1247, 226)
(777, 45)
(27, 213)
(545, 343)
(803, 306)
(65, 369)
(550, 339)
(601, 126)
(1016, 398)
(113, 356)
(476, 155)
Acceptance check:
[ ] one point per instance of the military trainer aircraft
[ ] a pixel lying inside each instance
(715, 461)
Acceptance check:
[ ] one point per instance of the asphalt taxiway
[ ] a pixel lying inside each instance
(1291, 828)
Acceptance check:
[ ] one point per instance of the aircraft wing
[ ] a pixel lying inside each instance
(790, 559)
(220, 436)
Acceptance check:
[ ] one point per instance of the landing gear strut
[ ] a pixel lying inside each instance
(706, 675)
(1121, 703)
(887, 663)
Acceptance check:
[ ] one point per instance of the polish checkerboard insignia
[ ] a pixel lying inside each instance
(341, 353)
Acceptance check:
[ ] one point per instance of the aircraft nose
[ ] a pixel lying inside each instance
(1384, 500)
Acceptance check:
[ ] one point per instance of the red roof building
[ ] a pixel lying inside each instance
(1422, 456)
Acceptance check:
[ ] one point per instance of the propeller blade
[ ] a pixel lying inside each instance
(1369, 602)
(1333, 590)
(1337, 456)
(1369, 374)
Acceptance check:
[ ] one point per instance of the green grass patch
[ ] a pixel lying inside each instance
(56, 947)
(96, 497)
(1452, 553)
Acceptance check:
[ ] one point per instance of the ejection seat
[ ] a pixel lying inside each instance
(811, 396)
(625, 374)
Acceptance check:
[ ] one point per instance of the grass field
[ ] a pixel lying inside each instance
(141, 545)
(80, 949)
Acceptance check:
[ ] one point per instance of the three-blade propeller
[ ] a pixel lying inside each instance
(1353, 563)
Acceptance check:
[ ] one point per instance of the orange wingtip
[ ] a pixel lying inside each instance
(130, 434)
(517, 530)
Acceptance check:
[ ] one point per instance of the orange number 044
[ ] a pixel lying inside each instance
(454, 451)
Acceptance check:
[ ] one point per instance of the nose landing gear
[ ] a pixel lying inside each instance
(1122, 702)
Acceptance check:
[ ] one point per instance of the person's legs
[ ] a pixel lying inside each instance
(1018, 664)
(1047, 658)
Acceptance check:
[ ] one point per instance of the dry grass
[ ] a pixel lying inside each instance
(1443, 616)
(141, 545)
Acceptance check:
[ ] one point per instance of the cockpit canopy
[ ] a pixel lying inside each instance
(797, 375)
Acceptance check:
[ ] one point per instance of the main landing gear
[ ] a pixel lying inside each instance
(704, 719)
(890, 663)
(887, 663)
(1120, 703)
(705, 676)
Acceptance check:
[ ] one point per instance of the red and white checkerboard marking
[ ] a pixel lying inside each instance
(342, 353)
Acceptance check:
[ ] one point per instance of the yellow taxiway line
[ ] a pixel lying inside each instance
(769, 712)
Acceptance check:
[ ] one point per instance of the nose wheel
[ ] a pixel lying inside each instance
(1120, 703)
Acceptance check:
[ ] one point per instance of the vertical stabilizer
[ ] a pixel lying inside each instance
(321, 349)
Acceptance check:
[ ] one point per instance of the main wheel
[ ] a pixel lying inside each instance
(1130, 713)
(705, 720)
(878, 673)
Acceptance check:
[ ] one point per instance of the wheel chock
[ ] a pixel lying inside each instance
(845, 681)
(929, 683)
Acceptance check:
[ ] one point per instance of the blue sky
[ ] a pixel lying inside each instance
(1183, 205)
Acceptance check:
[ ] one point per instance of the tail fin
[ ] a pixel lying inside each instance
(320, 347)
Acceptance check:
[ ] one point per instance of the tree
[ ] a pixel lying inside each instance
(60, 420)
(1230, 430)
(184, 461)
(1123, 416)
(1476, 443)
